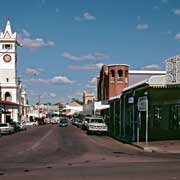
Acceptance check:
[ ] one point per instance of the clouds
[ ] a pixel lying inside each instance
(33, 71)
(57, 80)
(177, 36)
(44, 95)
(25, 39)
(86, 67)
(92, 83)
(152, 67)
(164, 1)
(35, 43)
(176, 12)
(85, 17)
(61, 80)
(26, 33)
(142, 26)
(94, 56)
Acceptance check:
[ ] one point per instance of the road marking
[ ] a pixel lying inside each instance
(35, 145)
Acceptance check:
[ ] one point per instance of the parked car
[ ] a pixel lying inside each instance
(16, 126)
(96, 124)
(40, 121)
(85, 122)
(22, 126)
(6, 128)
(63, 123)
(78, 123)
(54, 120)
(30, 123)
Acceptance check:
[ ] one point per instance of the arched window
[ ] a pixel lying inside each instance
(8, 96)
(120, 75)
(112, 76)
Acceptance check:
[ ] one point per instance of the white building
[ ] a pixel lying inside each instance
(10, 86)
(73, 108)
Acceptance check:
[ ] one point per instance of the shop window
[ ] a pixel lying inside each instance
(112, 76)
(120, 75)
(157, 116)
(174, 120)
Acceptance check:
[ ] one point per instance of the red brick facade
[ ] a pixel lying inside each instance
(113, 79)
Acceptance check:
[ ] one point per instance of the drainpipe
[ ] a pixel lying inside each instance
(114, 118)
(133, 119)
(120, 118)
(124, 117)
(147, 116)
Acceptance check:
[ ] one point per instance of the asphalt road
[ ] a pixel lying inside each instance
(54, 153)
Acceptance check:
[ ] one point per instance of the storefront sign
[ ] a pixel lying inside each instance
(142, 103)
(130, 100)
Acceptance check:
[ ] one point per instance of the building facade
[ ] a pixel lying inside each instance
(114, 78)
(10, 86)
(148, 109)
(88, 97)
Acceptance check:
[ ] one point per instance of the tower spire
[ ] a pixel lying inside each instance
(8, 34)
(8, 27)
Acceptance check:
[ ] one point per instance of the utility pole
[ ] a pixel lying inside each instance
(39, 99)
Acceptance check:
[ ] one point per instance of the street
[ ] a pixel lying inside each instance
(50, 152)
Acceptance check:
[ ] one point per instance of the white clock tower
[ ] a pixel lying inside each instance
(8, 70)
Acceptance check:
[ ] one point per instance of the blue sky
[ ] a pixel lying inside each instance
(66, 41)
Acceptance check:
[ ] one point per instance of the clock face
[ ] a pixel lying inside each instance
(7, 58)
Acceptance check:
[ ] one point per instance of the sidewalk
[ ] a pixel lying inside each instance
(170, 146)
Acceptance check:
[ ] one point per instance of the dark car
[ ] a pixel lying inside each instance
(63, 123)
(16, 126)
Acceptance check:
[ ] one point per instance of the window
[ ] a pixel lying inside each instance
(126, 76)
(8, 96)
(120, 75)
(157, 116)
(7, 46)
(112, 76)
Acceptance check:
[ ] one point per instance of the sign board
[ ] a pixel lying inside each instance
(173, 70)
(130, 100)
(142, 103)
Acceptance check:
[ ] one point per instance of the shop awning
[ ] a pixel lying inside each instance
(8, 104)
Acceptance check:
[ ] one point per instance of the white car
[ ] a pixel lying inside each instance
(96, 124)
(6, 128)
(30, 123)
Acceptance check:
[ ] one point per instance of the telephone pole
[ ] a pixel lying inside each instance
(39, 100)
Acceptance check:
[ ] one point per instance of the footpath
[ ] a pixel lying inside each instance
(170, 146)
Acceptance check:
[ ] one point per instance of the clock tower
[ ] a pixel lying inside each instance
(8, 69)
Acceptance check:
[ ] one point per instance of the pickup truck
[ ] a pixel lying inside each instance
(96, 124)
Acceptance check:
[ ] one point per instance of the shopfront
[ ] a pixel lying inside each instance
(160, 120)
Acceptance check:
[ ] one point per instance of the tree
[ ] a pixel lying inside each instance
(77, 100)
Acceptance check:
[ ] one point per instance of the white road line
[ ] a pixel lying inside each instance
(35, 145)
(38, 143)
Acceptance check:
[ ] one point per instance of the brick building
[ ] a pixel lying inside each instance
(114, 78)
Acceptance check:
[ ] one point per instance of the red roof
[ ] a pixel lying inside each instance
(3, 102)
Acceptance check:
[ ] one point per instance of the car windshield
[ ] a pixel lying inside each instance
(3, 125)
(96, 120)
(63, 121)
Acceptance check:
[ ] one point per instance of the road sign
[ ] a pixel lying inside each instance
(142, 103)
(130, 100)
